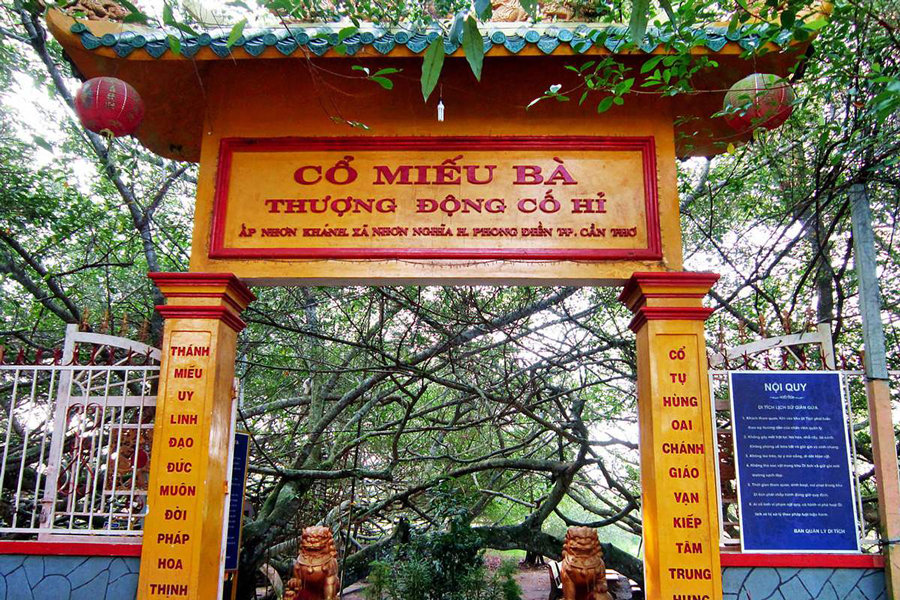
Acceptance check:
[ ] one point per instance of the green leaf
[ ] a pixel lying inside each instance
(801, 34)
(134, 15)
(457, 26)
(128, 5)
(281, 6)
(168, 15)
(135, 18)
(354, 124)
(734, 23)
(530, 7)
(175, 45)
(483, 9)
(236, 32)
(787, 19)
(637, 25)
(346, 32)
(623, 86)
(431, 66)
(580, 46)
(650, 64)
(183, 27)
(473, 45)
(605, 104)
(816, 25)
(535, 101)
(42, 143)
(383, 82)
(667, 6)
(386, 71)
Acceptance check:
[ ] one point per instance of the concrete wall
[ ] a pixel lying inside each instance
(769, 583)
(68, 577)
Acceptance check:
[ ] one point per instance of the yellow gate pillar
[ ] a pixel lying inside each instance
(181, 554)
(677, 433)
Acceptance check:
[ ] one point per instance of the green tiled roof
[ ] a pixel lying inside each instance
(319, 39)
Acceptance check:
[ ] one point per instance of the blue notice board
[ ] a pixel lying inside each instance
(236, 500)
(795, 487)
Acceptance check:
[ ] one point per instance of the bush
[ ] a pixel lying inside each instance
(504, 581)
(411, 581)
(379, 579)
(442, 566)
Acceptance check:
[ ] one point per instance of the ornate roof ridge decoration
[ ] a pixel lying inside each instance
(97, 10)
(371, 39)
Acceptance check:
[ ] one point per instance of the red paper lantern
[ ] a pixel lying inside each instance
(109, 106)
(758, 100)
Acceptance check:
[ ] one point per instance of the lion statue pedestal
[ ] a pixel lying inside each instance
(582, 572)
(316, 569)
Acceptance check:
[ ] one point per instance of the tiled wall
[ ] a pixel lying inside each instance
(68, 577)
(769, 583)
(116, 578)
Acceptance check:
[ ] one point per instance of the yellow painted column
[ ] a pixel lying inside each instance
(182, 544)
(677, 433)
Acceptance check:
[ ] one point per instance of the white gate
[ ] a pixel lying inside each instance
(77, 437)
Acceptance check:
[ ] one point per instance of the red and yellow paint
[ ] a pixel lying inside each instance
(182, 546)
(678, 474)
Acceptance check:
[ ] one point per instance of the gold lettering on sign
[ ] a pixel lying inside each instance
(565, 198)
(685, 533)
(174, 497)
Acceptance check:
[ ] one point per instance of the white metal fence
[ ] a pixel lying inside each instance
(77, 438)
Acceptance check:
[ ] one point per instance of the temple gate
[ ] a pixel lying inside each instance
(369, 188)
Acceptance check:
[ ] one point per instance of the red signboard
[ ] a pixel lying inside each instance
(573, 198)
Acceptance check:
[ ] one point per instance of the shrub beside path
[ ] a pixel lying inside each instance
(535, 584)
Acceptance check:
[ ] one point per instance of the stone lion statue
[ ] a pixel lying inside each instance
(509, 11)
(582, 572)
(316, 569)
